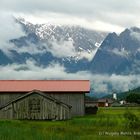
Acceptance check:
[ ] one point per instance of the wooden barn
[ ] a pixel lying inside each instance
(106, 102)
(42, 99)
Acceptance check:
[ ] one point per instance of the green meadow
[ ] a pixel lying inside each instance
(108, 124)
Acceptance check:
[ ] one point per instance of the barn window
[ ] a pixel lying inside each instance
(34, 105)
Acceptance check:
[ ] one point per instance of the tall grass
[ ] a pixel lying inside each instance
(89, 127)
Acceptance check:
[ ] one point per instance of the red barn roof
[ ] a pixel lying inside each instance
(45, 85)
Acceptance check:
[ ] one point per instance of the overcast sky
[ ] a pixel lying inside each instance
(103, 15)
(106, 15)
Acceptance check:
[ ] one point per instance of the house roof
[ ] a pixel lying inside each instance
(45, 85)
(105, 100)
(39, 93)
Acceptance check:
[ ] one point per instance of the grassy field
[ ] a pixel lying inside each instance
(108, 124)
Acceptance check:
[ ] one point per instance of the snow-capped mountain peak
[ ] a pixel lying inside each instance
(71, 46)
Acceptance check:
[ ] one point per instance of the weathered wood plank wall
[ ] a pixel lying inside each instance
(76, 100)
(36, 107)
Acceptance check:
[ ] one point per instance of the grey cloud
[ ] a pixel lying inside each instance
(30, 70)
(9, 30)
(121, 53)
(135, 35)
(73, 6)
(62, 49)
(117, 82)
(117, 12)
(59, 49)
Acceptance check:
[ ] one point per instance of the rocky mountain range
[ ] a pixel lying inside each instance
(119, 54)
(76, 48)
(71, 46)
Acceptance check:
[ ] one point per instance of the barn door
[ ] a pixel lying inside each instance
(34, 108)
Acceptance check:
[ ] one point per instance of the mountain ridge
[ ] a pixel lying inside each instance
(71, 46)
(118, 53)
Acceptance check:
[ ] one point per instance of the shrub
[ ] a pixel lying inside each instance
(133, 98)
(132, 120)
(91, 110)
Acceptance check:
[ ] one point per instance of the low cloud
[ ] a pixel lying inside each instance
(135, 35)
(64, 19)
(66, 49)
(62, 48)
(9, 30)
(59, 49)
(31, 70)
(30, 48)
(89, 55)
(116, 82)
(99, 83)
(122, 52)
